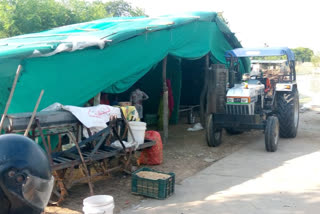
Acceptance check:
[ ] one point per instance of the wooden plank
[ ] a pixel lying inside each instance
(64, 159)
(57, 160)
(147, 144)
(60, 166)
(48, 119)
(70, 155)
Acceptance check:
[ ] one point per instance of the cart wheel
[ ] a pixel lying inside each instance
(272, 134)
(214, 134)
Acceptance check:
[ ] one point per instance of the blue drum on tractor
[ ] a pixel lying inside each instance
(267, 98)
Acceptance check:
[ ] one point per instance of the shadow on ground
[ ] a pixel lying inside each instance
(254, 181)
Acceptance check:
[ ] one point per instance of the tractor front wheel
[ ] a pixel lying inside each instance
(272, 134)
(213, 133)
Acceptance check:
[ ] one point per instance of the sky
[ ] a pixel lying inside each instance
(294, 23)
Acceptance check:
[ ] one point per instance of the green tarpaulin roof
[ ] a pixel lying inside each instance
(73, 63)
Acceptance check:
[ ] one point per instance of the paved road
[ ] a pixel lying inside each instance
(253, 181)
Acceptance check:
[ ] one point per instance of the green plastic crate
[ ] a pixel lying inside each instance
(159, 189)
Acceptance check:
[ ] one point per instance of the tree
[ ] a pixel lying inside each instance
(316, 60)
(83, 11)
(6, 22)
(303, 54)
(119, 8)
(38, 15)
(28, 16)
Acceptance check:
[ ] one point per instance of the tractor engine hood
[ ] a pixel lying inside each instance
(244, 90)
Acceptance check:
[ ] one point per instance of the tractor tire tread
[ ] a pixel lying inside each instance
(285, 104)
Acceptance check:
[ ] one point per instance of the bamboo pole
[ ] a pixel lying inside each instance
(34, 113)
(96, 99)
(165, 101)
(10, 96)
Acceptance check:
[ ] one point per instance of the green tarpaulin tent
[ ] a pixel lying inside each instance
(74, 63)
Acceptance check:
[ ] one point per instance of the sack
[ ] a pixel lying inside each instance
(153, 155)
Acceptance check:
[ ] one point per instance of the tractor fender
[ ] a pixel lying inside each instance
(286, 86)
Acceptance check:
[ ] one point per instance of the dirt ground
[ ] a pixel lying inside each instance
(185, 154)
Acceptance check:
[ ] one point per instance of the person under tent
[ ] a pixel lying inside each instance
(136, 98)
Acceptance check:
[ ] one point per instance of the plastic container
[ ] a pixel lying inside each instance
(98, 204)
(138, 131)
(159, 189)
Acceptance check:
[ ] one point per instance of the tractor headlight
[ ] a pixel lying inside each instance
(230, 100)
(244, 100)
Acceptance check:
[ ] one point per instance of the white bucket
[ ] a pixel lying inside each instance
(98, 204)
(138, 131)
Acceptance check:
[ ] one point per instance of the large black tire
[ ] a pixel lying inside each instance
(214, 134)
(232, 131)
(288, 113)
(271, 135)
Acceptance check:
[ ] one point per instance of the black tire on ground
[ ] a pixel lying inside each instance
(271, 135)
(213, 134)
(288, 113)
(232, 131)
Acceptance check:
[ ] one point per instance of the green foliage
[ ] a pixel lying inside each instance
(303, 54)
(316, 60)
(119, 8)
(37, 15)
(27, 16)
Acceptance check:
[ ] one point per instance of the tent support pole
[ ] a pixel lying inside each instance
(204, 92)
(96, 99)
(165, 101)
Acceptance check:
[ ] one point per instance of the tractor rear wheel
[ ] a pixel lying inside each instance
(271, 135)
(213, 133)
(288, 113)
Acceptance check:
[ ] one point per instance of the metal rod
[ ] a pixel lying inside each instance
(44, 142)
(34, 113)
(165, 101)
(49, 143)
(83, 162)
(10, 96)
